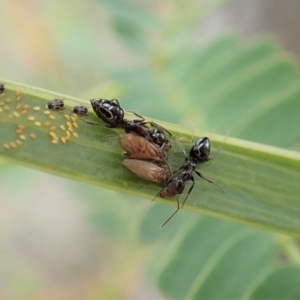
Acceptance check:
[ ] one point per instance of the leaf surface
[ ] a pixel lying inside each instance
(260, 183)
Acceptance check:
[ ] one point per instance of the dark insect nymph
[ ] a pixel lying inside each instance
(112, 114)
(2, 89)
(55, 104)
(80, 110)
(199, 153)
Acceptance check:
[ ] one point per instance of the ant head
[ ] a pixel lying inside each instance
(109, 111)
(159, 138)
(201, 150)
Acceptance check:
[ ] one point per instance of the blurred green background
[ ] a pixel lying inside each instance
(211, 65)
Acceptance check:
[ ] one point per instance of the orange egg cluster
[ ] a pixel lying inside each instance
(59, 132)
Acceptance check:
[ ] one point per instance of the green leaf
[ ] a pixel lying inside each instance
(252, 90)
(149, 233)
(261, 183)
(249, 89)
(200, 270)
(279, 283)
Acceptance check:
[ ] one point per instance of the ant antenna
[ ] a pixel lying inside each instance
(220, 147)
(108, 137)
(165, 160)
(182, 149)
(193, 133)
(155, 196)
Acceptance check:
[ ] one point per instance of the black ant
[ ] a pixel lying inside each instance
(112, 114)
(199, 153)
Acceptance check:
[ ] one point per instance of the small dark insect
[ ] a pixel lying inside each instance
(112, 114)
(139, 148)
(2, 89)
(55, 104)
(199, 153)
(147, 170)
(80, 110)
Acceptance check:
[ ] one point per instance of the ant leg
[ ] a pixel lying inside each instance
(108, 137)
(161, 148)
(189, 191)
(110, 126)
(168, 167)
(208, 180)
(174, 213)
(127, 155)
(156, 196)
(115, 100)
(153, 124)
(141, 117)
(91, 123)
(178, 169)
(87, 122)
(173, 172)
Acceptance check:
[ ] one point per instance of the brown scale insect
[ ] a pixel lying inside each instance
(139, 148)
(147, 170)
(140, 153)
